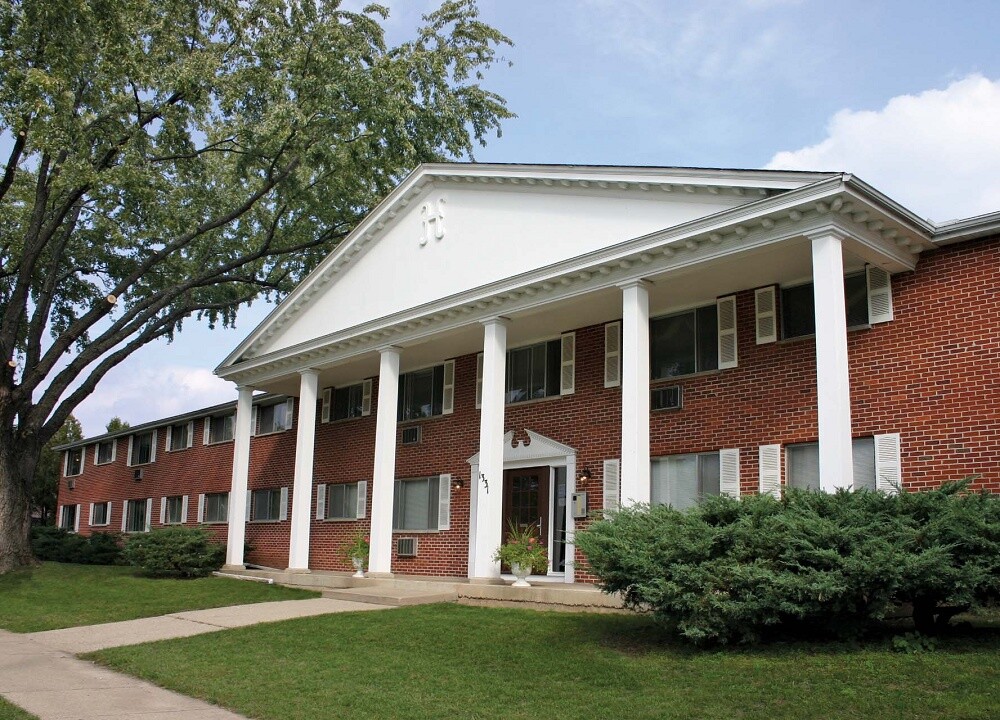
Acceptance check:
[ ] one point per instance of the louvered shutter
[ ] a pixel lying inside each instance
(448, 391)
(444, 501)
(190, 433)
(152, 450)
(613, 354)
(321, 501)
(76, 520)
(184, 509)
(479, 380)
(201, 508)
(149, 513)
(110, 507)
(249, 510)
(612, 485)
(124, 514)
(91, 520)
(163, 510)
(362, 498)
(879, 295)
(769, 457)
(726, 307)
(131, 438)
(567, 376)
(888, 470)
(253, 420)
(729, 472)
(327, 402)
(366, 397)
(283, 508)
(765, 306)
(206, 430)
(290, 412)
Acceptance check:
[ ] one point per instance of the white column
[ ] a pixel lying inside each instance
(241, 473)
(489, 497)
(305, 440)
(384, 474)
(833, 385)
(635, 393)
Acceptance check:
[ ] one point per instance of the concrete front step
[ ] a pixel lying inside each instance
(395, 596)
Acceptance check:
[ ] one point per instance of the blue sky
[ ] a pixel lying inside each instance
(906, 95)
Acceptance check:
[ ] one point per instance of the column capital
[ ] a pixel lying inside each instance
(383, 349)
(496, 320)
(827, 232)
(308, 371)
(637, 282)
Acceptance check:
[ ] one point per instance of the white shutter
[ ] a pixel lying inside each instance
(114, 450)
(163, 509)
(321, 501)
(184, 509)
(879, 294)
(110, 506)
(362, 498)
(190, 433)
(888, 466)
(124, 513)
(366, 397)
(283, 509)
(253, 420)
(66, 463)
(152, 452)
(448, 391)
(567, 378)
(612, 484)
(149, 513)
(729, 472)
(479, 380)
(726, 307)
(130, 443)
(290, 413)
(444, 501)
(201, 508)
(765, 314)
(769, 458)
(76, 520)
(327, 403)
(91, 520)
(613, 354)
(248, 510)
(83, 458)
(206, 430)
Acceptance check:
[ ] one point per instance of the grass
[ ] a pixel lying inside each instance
(465, 662)
(13, 712)
(56, 595)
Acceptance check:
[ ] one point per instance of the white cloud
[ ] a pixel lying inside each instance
(938, 152)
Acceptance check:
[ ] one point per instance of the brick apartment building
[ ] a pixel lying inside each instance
(501, 344)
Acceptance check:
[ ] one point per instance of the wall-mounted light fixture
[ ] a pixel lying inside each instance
(457, 483)
(586, 474)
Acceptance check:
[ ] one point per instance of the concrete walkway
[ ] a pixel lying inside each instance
(39, 673)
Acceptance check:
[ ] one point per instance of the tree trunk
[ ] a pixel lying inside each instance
(17, 468)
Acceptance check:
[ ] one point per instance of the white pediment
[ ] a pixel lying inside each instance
(538, 448)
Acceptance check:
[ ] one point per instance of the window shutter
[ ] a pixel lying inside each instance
(770, 470)
(114, 449)
(163, 509)
(567, 379)
(321, 501)
(130, 443)
(612, 485)
(184, 509)
(83, 458)
(366, 397)
(152, 451)
(290, 412)
(727, 331)
(888, 469)
(201, 508)
(253, 420)
(283, 508)
(76, 520)
(91, 520)
(362, 498)
(327, 401)
(766, 315)
(66, 463)
(246, 518)
(613, 354)
(448, 390)
(879, 294)
(444, 501)
(479, 380)
(206, 430)
(110, 506)
(149, 513)
(729, 472)
(190, 437)
(124, 514)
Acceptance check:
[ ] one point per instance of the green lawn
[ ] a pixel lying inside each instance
(13, 712)
(56, 595)
(464, 662)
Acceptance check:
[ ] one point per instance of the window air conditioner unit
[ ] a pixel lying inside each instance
(71, 484)
(411, 435)
(666, 398)
(137, 474)
(406, 547)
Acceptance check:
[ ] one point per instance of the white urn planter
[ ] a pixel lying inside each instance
(520, 573)
(359, 567)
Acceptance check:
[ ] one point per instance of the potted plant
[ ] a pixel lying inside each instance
(523, 551)
(357, 553)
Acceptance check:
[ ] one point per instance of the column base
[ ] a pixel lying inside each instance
(383, 575)
(298, 571)
(233, 568)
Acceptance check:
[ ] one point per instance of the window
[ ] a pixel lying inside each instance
(681, 481)
(136, 512)
(274, 418)
(67, 519)
(684, 343)
(180, 436)
(415, 504)
(74, 462)
(803, 464)
(101, 514)
(173, 510)
(217, 508)
(142, 448)
(220, 428)
(266, 504)
(533, 371)
(106, 452)
(342, 501)
(348, 402)
(421, 393)
(798, 306)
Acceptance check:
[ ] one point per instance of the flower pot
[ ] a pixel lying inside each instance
(520, 573)
(359, 567)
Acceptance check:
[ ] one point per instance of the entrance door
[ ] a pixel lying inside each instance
(526, 502)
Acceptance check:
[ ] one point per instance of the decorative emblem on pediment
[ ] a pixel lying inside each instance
(432, 221)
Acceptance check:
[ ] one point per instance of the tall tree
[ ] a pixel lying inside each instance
(168, 159)
(116, 424)
(45, 489)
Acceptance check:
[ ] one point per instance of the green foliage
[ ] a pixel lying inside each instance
(730, 570)
(175, 552)
(45, 489)
(522, 547)
(116, 424)
(52, 543)
(358, 547)
(913, 643)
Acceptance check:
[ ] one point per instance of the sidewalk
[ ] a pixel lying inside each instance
(38, 671)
